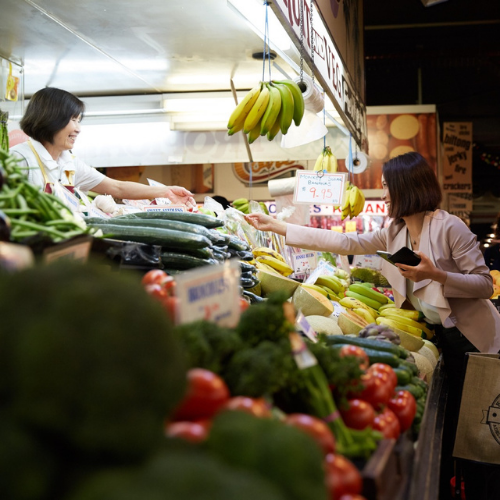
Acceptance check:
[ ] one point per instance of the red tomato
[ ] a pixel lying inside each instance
(376, 391)
(254, 406)
(155, 290)
(384, 368)
(170, 303)
(359, 352)
(387, 423)
(342, 477)
(155, 276)
(190, 431)
(206, 394)
(315, 427)
(404, 406)
(359, 415)
(244, 304)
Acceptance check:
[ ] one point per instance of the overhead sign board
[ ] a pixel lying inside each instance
(328, 65)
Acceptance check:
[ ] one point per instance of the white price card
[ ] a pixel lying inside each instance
(304, 261)
(165, 208)
(210, 293)
(320, 188)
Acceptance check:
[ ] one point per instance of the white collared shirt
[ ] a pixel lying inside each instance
(86, 178)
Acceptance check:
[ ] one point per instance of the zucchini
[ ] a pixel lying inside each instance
(404, 376)
(169, 238)
(244, 255)
(379, 345)
(201, 219)
(248, 282)
(411, 366)
(159, 223)
(253, 298)
(181, 261)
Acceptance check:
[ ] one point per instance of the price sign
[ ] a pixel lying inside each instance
(320, 188)
(304, 262)
(210, 293)
(165, 208)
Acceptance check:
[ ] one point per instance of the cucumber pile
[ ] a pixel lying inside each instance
(188, 240)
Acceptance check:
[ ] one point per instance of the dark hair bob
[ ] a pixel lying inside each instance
(412, 184)
(49, 111)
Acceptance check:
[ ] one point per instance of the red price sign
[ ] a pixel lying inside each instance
(320, 188)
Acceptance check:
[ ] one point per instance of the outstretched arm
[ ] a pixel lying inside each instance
(264, 222)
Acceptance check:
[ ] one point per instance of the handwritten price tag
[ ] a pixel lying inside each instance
(320, 189)
(211, 293)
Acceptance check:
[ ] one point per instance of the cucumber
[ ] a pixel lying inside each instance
(248, 282)
(404, 376)
(253, 298)
(202, 219)
(169, 238)
(181, 261)
(415, 390)
(379, 345)
(422, 383)
(245, 266)
(159, 223)
(375, 356)
(244, 255)
(236, 244)
(223, 237)
(411, 366)
(202, 253)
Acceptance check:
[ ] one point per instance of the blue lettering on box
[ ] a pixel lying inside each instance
(217, 287)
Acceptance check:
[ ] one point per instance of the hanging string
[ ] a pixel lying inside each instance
(312, 38)
(324, 123)
(264, 52)
(349, 161)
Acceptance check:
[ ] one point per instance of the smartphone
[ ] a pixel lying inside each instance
(403, 256)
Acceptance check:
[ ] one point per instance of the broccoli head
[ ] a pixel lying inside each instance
(190, 474)
(265, 321)
(89, 360)
(284, 455)
(207, 345)
(260, 370)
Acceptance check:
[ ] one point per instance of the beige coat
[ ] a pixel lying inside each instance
(451, 246)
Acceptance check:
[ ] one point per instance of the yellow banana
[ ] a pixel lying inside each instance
(318, 165)
(333, 164)
(258, 109)
(346, 207)
(238, 125)
(331, 294)
(353, 199)
(298, 100)
(417, 332)
(331, 282)
(364, 314)
(275, 128)
(407, 313)
(254, 133)
(243, 108)
(264, 267)
(393, 314)
(272, 110)
(287, 106)
(276, 264)
(316, 288)
(269, 252)
(360, 206)
(386, 306)
(369, 302)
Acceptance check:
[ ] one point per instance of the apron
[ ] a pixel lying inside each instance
(70, 174)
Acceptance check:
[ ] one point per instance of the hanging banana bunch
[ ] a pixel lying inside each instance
(326, 161)
(270, 107)
(354, 202)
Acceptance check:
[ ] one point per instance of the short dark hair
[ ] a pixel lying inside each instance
(50, 110)
(412, 184)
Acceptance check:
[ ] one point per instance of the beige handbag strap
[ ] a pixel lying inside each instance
(40, 163)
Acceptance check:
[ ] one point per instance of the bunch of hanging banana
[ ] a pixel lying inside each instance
(270, 107)
(326, 161)
(354, 202)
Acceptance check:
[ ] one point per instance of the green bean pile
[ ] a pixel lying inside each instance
(31, 211)
(4, 133)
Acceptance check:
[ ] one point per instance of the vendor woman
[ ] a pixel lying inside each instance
(52, 123)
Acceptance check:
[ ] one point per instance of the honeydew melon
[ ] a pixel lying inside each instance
(427, 353)
(311, 302)
(424, 366)
(322, 324)
(408, 341)
(351, 323)
(270, 282)
(432, 347)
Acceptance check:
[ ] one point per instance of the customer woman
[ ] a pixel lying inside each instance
(451, 285)
(52, 122)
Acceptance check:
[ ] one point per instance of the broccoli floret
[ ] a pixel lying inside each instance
(265, 321)
(88, 359)
(260, 370)
(282, 454)
(208, 345)
(180, 474)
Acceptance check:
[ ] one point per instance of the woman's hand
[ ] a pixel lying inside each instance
(180, 195)
(426, 270)
(264, 222)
